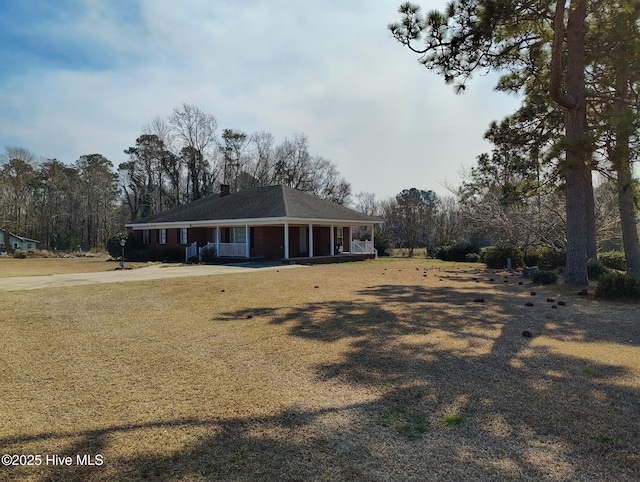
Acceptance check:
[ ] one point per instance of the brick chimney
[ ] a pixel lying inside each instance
(224, 190)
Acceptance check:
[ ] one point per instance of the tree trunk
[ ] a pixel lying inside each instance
(577, 168)
(621, 162)
(628, 221)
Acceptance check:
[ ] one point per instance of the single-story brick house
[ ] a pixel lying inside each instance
(266, 222)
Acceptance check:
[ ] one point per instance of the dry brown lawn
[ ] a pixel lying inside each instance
(364, 371)
(13, 267)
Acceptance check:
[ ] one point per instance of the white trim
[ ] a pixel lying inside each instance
(249, 221)
(311, 240)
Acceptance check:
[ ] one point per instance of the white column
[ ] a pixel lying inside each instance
(311, 240)
(218, 240)
(286, 240)
(247, 241)
(332, 241)
(350, 239)
(373, 241)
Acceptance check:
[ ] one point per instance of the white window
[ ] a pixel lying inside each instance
(238, 235)
(162, 236)
(183, 235)
(146, 238)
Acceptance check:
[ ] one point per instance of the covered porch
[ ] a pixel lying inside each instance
(286, 240)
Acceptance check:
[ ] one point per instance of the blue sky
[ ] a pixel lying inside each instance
(83, 76)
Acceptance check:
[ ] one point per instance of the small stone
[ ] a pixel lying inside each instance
(528, 303)
(491, 279)
(506, 281)
(527, 334)
(249, 317)
(520, 282)
(554, 307)
(316, 286)
(478, 300)
(221, 291)
(562, 303)
(550, 300)
(533, 293)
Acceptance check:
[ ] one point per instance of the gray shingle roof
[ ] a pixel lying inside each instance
(257, 203)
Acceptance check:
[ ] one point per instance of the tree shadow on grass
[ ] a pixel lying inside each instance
(460, 394)
(514, 395)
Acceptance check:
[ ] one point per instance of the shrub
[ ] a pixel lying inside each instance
(613, 260)
(456, 251)
(495, 257)
(37, 253)
(31, 253)
(382, 242)
(552, 258)
(209, 255)
(532, 257)
(545, 277)
(596, 268)
(114, 248)
(472, 257)
(615, 285)
(169, 255)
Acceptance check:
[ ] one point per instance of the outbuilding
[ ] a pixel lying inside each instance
(16, 242)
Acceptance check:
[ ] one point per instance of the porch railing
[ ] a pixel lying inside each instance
(233, 249)
(209, 245)
(191, 251)
(362, 246)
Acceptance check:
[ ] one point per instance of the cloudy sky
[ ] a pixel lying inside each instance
(83, 76)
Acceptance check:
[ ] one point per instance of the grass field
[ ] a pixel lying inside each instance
(13, 267)
(380, 370)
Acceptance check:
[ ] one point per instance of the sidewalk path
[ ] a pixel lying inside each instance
(150, 273)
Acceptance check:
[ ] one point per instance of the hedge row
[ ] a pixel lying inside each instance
(457, 252)
(616, 285)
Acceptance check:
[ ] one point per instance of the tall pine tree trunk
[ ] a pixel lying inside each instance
(579, 189)
(621, 162)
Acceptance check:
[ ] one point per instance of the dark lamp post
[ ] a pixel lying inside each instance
(122, 243)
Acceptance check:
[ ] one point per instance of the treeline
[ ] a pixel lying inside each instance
(479, 213)
(575, 67)
(180, 158)
(63, 206)
(176, 159)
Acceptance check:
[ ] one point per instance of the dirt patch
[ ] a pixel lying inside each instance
(386, 370)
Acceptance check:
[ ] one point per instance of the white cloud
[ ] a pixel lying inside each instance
(330, 70)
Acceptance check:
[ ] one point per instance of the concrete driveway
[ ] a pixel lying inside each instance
(149, 273)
